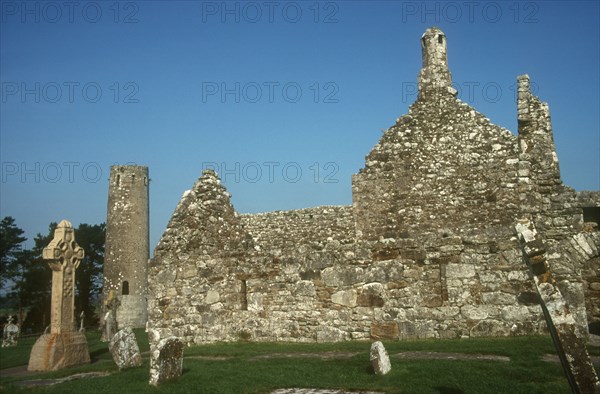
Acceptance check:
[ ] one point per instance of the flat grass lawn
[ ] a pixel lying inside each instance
(244, 367)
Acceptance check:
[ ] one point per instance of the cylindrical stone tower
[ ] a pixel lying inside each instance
(127, 243)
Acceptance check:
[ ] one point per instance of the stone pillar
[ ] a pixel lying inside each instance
(63, 346)
(568, 338)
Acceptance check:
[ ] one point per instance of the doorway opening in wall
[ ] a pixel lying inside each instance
(125, 288)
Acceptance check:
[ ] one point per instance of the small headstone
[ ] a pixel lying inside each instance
(166, 360)
(81, 317)
(10, 333)
(380, 359)
(124, 349)
(110, 318)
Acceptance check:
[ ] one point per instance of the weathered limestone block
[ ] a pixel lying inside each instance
(380, 361)
(330, 334)
(344, 297)
(124, 349)
(166, 360)
(372, 295)
(384, 330)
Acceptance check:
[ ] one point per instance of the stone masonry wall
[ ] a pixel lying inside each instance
(427, 249)
(127, 243)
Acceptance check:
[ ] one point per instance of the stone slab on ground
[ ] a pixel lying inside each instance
(124, 349)
(449, 356)
(320, 391)
(51, 382)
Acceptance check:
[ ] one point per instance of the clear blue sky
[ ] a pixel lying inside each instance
(276, 87)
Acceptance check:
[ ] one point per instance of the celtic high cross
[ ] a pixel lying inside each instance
(64, 256)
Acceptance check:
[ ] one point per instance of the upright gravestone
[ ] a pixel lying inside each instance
(110, 317)
(380, 361)
(124, 349)
(10, 333)
(63, 346)
(166, 360)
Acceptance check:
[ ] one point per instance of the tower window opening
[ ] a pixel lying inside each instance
(244, 295)
(125, 289)
(440, 39)
(592, 215)
(118, 180)
(145, 181)
(133, 178)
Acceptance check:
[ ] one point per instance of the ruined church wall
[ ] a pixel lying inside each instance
(316, 288)
(427, 249)
(443, 165)
(280, 232)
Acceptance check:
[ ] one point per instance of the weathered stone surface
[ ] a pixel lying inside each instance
(330, 334)
(10, 333)
(63, 346)
(127, 244)
(56, 351)
(568, 338)
(124, 349)
(344, 297)
(384, 330)
(428, 243)
(166, 360)
(380, 361)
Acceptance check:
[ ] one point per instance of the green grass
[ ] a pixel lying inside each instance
(239, 371)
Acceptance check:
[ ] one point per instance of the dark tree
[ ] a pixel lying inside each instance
(11, 248)
(33, 291)
(89, 274)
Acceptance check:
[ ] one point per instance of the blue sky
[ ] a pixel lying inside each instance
(284, 98)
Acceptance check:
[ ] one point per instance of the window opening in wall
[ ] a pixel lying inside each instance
(145, 181)
(592, 215)
(125, 289)
(118, 180)
(440, 39)
(244, 294)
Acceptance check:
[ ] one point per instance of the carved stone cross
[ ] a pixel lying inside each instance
(64, 256)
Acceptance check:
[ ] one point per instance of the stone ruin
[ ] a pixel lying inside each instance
(427, 249)
(63, 346)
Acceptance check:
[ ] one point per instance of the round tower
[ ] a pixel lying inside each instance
(127, 243)
(435, 75)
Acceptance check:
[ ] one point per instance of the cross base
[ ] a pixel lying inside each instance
(56, 351)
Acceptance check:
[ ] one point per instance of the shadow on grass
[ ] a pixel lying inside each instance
(448, 390)
(95, 355)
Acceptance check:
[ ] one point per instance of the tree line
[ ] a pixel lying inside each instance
(26, 278)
